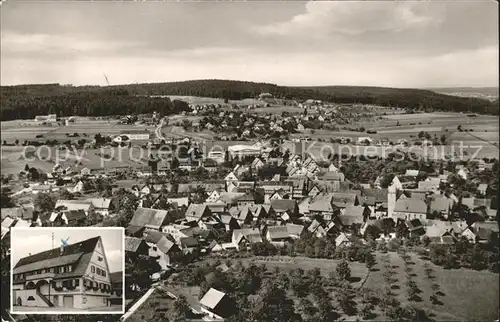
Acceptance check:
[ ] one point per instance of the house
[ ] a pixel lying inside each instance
(136, 135)
(150, 218)
(317, 229)
(415, 228)
(342, 240)
(353, 215)
(217, 305)
(231, 177)
(463, 173)
(230, 223)
(180, 202)
(136, 246)
(116, 297)
(77, 188)
(246, 236)
(213, 197)
(197, 212)
(277, 234)
(486, 232)
(161, 248)
(441, 205)
(242, 214)
(189, 245)
(247, 199)
(288, 206)
(257, 164)
(75, 276)
(429, 185)
(295, 231)
(410, 208)
(411, 173)
(314, 191)
(100, 205)
(69, 217)
(333, 176)
(322, 206)
(482, 188)
(86, 206)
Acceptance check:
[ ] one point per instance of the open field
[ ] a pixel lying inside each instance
(14, 159)
(28, 130)
(469, 295)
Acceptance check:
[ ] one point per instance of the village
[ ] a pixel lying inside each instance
(259, 200)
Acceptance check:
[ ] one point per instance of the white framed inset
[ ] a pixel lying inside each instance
(63, 279)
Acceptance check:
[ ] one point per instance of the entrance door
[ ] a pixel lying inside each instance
(19, 301)
(56, 300)
(68, 301)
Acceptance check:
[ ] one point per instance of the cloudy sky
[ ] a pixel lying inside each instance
(30, 240)
(402, 44)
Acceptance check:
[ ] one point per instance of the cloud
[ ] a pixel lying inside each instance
(350, 18)
(13, 42)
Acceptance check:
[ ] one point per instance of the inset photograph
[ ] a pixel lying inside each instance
(67, 270)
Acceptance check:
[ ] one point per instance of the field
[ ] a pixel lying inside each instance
(468, 295)
(28, 129)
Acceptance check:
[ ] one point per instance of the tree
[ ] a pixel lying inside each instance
(370, 261)
(45, 202)
(274, 305)
(343, 270)
(181, 309)
(175, 163)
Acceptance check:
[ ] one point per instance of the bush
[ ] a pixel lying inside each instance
(393, 245)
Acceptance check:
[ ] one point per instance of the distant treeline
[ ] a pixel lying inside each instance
(26, 101)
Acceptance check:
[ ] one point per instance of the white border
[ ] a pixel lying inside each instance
(47, 229)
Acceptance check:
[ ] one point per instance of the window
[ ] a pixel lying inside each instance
(99, 258)
(104, 273)
(70, 268)
(84, 299)
(154, 248)
(31, 298)
(98, 271)
(77, 282)
(92, 269)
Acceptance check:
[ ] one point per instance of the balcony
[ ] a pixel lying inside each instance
(40, 276)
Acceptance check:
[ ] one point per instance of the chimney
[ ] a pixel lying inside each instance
(61, 250)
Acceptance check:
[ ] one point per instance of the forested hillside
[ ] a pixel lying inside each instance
(26, 101)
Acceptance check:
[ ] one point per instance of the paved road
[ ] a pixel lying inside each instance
(25, 309)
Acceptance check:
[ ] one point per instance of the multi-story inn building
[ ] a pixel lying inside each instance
(75, 276)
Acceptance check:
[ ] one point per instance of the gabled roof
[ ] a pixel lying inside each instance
(344, 199)
(380, 195)
(282, 205)
(341, 239)
(230, 197)
(195, 211)
(410, 205)
(294, 229)
(441, 203)
(251, 234)
(149, 218)
(74, 204)
(188, 242)
(212, 298)
(278, 232)
(333, 176)
(322, 203)
(132, 244)
(77, 253)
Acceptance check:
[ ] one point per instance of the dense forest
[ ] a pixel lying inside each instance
(26, 101)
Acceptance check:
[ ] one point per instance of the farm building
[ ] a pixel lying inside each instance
(136, 134)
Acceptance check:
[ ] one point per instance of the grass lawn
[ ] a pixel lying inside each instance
(468, 295)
